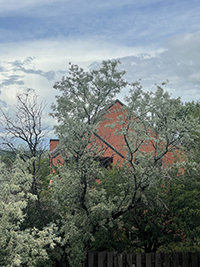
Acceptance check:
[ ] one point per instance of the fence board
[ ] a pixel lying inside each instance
(176, 259)
(110, 256)
(90, 259)
(158, 262)
(148, 260)
(133, 259)
(119, 260)
(101, 258)
(138, 260)
(115, 260)
(167, 258)
(185, 258)
(195, 260)
(129, 260)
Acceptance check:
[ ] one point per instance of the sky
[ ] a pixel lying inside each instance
(156, 40)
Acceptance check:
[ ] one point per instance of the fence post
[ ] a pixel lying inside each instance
(167, 259)
(158, 262)
(120, 260)
(110, 256)
(176, 259)
(194, 257)
(138, 260)
(129, 259)
(148, 259)
(185, 257)
(90, 259)
(115, 259)
(101, 258)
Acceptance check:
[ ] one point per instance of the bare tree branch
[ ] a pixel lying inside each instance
(25, 127)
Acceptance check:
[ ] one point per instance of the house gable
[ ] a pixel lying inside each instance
(112, 145)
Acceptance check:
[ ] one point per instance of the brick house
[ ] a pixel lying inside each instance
(113, 145)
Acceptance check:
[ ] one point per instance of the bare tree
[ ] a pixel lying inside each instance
(25, 134)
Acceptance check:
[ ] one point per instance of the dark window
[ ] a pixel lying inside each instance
(105, 162)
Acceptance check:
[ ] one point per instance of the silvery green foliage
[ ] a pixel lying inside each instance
(81, 106)
(20, 247)
(79, 110)
(156, 134)
(81, 214)
(150, 120)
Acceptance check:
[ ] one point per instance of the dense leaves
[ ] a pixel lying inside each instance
(20, 247)
(155, 135)
(149, 202)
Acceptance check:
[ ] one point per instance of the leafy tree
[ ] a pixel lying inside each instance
(187, 193)
(152, 225)
(155, 225)
(20, 247)
(159, 225)
(192, 110)
(79, 110)
(152, 134)
(157, 133)
(33, 218)
(8, 157)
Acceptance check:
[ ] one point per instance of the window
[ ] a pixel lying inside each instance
(105, 162)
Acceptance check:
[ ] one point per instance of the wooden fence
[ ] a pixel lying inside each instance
(112, 259)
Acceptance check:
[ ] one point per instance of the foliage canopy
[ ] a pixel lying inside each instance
(142, 204)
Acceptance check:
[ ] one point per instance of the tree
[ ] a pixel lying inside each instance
(25, 134)
(21, 247)
(80, 107)
(187, 193)
(157, 138)
(154, 224)
(165, 227)
(79, 110)
(153, 137)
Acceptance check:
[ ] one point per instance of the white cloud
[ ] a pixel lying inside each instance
(56, 54)
(29, 64)
(179, 63)
(40, 63)
(185, 47)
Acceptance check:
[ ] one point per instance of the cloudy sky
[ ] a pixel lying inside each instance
(154, 39)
